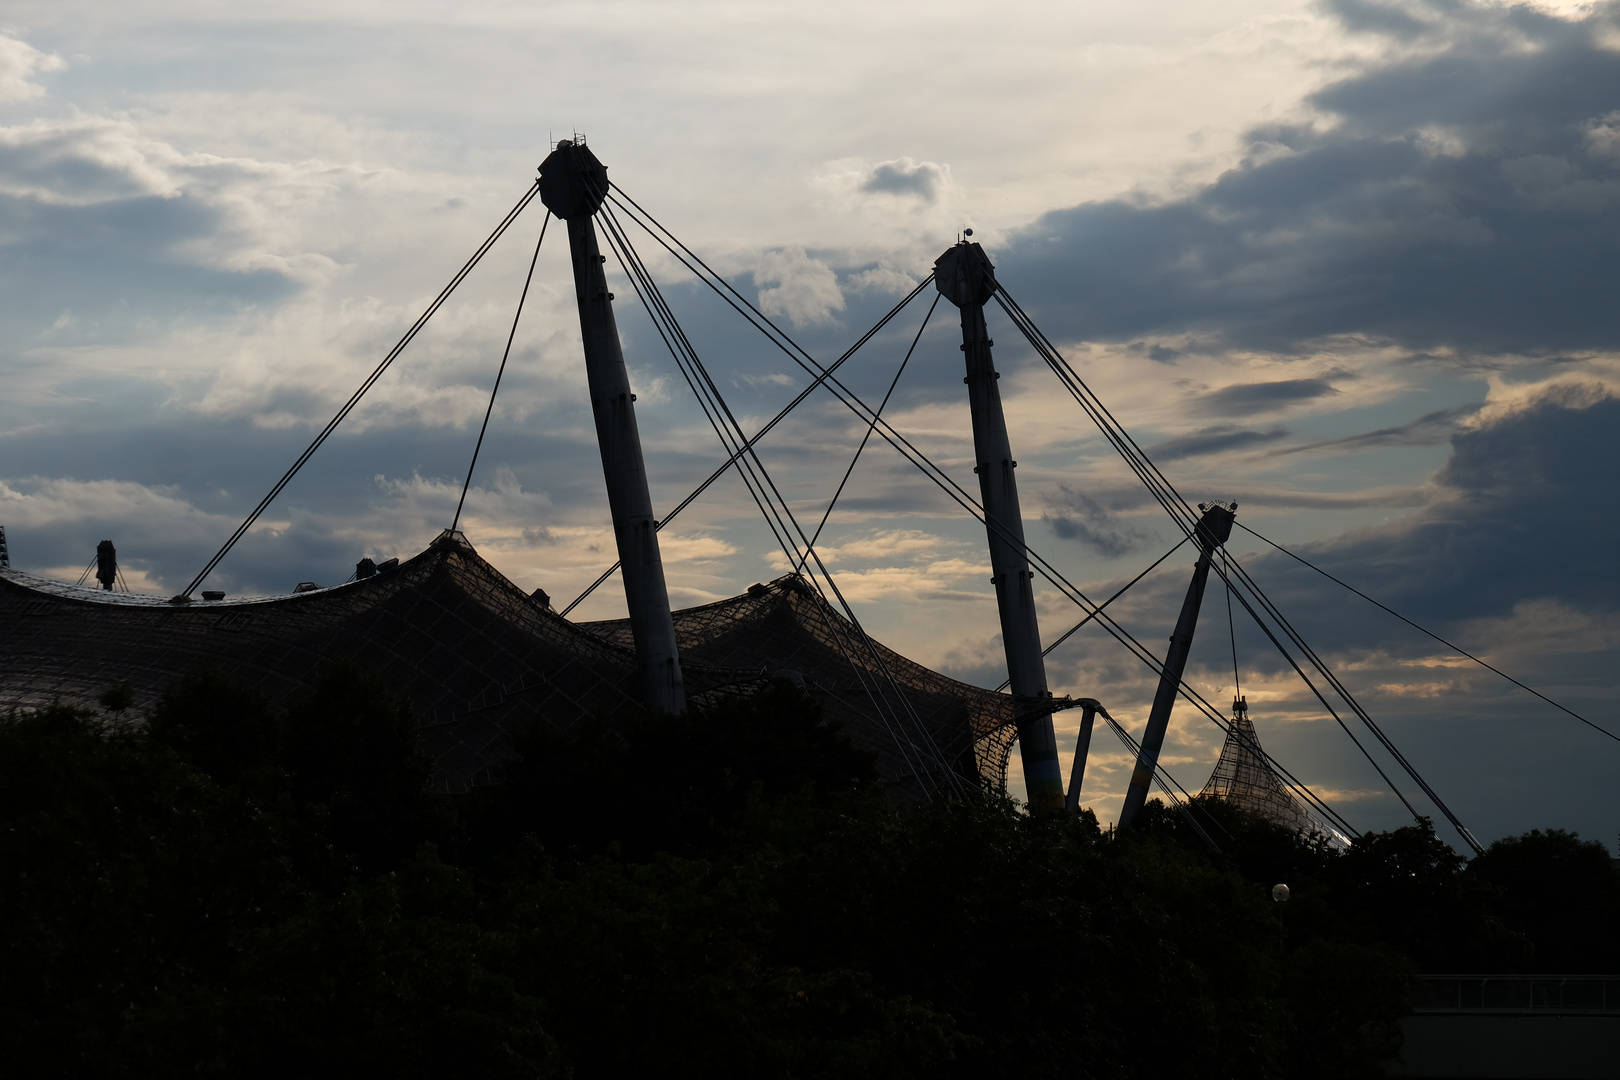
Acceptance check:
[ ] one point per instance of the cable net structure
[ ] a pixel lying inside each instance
(788, 630)
(479, 659)
(1244, 780)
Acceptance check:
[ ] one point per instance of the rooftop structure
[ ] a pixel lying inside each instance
(1245, 780)
(478, 657)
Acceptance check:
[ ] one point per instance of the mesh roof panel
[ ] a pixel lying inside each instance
(1244, 778)
(478, 657)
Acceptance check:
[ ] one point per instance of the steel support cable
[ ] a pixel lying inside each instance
(1231, 631)
(658, 315)
(354, 399)
(722, 287)
(1199, 703)
(681, 351)
(1168, 497)
(1464, 652)
(803, 359)
(1136, 748)
(953, 490)
(1248, 737)
(657, 231)
(703, 387)
(865, 438)
(686, 360)
(732, 440)
(1071, 631)
(1355, 706)
(1155, 480)
(764, 430)
(718, 399)
(500, 371)
(1159, 774)
(773, 333)
(1293, 635)
(1312, 686)
(1124, 637)
(823, 376)
(1344, 693)
(1272, 610)
(1156, 483)
(1111, 430)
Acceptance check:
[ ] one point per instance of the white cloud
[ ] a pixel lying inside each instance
(19, 63)
(797, 286)
(359, 179)
(929, 581)
(40, 502)
(883, 281)
(887, 544)
(1603, 136)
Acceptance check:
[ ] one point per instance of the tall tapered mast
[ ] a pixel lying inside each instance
(1212, 531)
(965, 277)
(573, 184)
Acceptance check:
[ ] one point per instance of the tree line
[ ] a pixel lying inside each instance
(229, 887)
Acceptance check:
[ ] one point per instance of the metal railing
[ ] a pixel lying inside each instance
(1586, 994)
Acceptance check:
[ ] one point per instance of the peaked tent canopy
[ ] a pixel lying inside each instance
(478, 657)
(1245, 780)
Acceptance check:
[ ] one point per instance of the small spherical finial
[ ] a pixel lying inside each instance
(1279, 893)
(967, 232)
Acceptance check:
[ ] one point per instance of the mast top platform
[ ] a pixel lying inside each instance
(1215, 526)
(964, 275)
(573, 182)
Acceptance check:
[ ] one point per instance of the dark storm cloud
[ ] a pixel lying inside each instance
(1329, 500)
(1213, 440)
(1077, 516)
(923, 179)
(214, 471)
(1262, 397)
(1161, 353)
(1426, 430)
(91, 219)
(1467, 197)
(1527, 514)
(124, 251)
(1515, 563)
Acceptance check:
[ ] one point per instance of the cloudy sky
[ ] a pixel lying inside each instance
(1352, 264)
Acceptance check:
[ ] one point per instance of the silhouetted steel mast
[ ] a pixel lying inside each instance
(573, 184)
(964, 276)
(107, 565)
(1212, 531)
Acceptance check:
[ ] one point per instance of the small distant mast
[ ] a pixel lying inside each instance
(106, 565)
(1212, 531)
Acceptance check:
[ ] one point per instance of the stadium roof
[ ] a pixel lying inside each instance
(478, 657)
